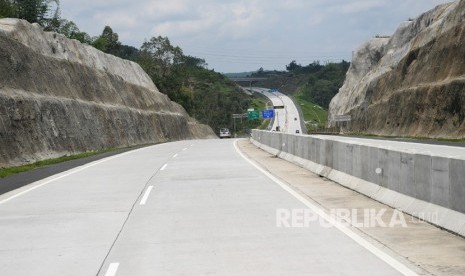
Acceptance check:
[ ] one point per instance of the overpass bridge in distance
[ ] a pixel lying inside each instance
(248, 81)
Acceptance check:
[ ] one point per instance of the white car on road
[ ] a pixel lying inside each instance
(225, 133)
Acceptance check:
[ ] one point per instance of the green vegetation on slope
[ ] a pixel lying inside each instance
(214, 102)
(208, 96)
(259, 103)
(315, 116)
(323, 82)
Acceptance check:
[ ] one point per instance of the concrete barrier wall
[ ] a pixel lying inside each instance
(420, 182)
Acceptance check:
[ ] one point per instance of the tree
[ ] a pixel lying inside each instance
(192, 62)
(165, 64)
(108, 42)
(260, 72)
(6, 9)
(128, 52)
(162, 54)
(293, 66)
(36, 11)
(70, 30)
(323, 81)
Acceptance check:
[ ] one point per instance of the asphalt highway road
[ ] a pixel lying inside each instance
(288, 118)
(183, 208)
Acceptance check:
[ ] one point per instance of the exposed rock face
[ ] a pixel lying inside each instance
(59, 96)
(412, 83)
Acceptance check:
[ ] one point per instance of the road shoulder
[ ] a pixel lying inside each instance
(17, 181)
(431, 249)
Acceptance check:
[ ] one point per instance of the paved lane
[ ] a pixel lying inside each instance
(67, 226)
(185, 208)
(293, 117)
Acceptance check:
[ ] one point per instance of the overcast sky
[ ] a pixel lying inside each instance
(244, 35)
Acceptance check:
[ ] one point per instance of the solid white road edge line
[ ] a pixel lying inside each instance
(341, 227)
(112, 269)
(72, 171)
(146, 195)
(164, 167)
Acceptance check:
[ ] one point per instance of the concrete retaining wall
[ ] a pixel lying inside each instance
(429, 187)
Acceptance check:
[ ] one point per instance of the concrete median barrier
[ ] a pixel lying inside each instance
(457, 186)
(424, 185)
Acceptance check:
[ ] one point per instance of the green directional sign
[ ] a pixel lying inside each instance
(253, 115)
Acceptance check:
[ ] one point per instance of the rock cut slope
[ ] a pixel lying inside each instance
(412, 83)
(59, 96)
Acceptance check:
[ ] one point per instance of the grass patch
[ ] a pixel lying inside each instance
(451, 140)
(406, 137)
(313, 113)
(4, 172)
(258, 103)
(264, 124)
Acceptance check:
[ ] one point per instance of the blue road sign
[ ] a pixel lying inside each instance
(268, 114)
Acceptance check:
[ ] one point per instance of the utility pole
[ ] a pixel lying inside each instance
(235, 133)
(277, 118)
(237, 116)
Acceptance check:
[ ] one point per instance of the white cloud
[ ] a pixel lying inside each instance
(163, 8)
(305, 29)
(184, 27)
(245, 19)
(236, 20)
(359, 6)
(117, 19)
(294, 4)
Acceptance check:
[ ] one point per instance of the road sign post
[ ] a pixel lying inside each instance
(268, 114)
(342, 120)
(253, 115)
